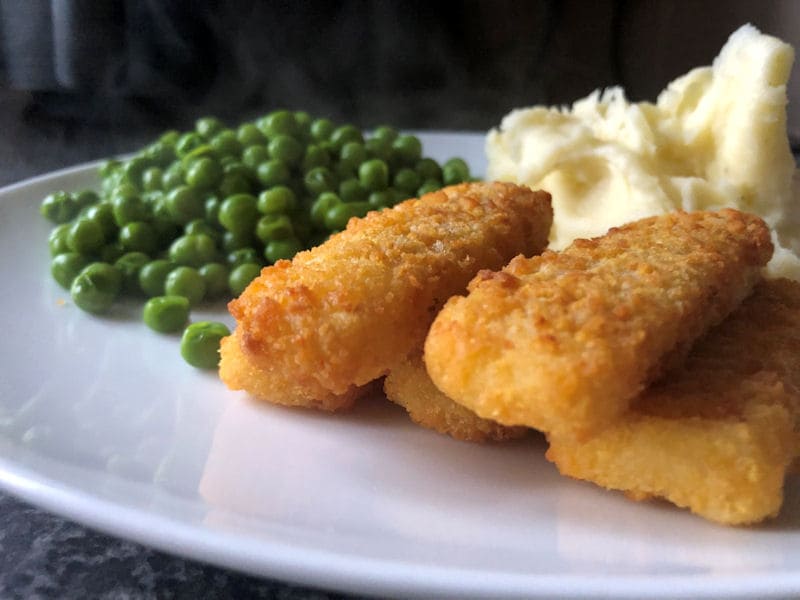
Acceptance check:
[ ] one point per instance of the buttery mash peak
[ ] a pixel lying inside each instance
(716, 137)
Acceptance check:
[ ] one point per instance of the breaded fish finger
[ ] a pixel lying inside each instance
(563, 342)
(408, 385)
(336, 317)
(718, 435)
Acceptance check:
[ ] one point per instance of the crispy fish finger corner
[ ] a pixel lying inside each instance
(718, 435)
(409, 386)
(336, 317)
(564, 342)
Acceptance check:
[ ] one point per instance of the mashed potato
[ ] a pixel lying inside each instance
(716, 137)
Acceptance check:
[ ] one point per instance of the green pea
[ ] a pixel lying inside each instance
(380, 148)
(109, 167)
(211, 209)
(238, 213)
(427, 168)
(234, 183)
(428, 186)
(184, 204)
(241, 276)
(226, 144)
(407, 149)
(85, 236)
(374, 175)
(321, 207)
(321, 129)
(215, 276)
(204, 173)
(255, 155)
(57, 240)
(399, 196)
(172, 177)
(166, 314)
(250, 135)
(111, 252)
(59, 207)
(235, 167)
(139, 236)
(186, 282)
(351, 190)
(353, 154)
(96, 287)
(133, 170)
(273, 172)
(201, 226)
(283, 249)
(381, 199)
(65, 267)
(455, 171)
(319, 180)
(153, 275)
(242, 256)
(188, 142)
(385, 132)
(208, 127)
(130, 265)
(279, 122)
(103, 215)
(303, 120)
(236, 240)
(277, 200)
(193, 250)
(285, 148)
(127, 207)
(160, 153)
(200, 343)
(152, 179)
(407, 180)
(344, 134)
(338, 216)
(274, 227)
(86, 198)
(315, 156)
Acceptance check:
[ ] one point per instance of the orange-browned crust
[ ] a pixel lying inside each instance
(337, 316)
(408, 385)
(565, 341)
(718, 435)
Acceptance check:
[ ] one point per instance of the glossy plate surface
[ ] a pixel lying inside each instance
(101, 421)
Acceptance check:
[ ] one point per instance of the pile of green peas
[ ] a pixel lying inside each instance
(194, 216)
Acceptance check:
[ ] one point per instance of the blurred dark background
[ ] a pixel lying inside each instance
(83, 79)
(131, 68)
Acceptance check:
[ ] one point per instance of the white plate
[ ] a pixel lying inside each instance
(101, 421)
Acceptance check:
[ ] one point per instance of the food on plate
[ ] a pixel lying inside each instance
(199, 213)
(564, 341)
(200, 343)
(408, 385)
(311, 331)
(718, 434)
(715, 138)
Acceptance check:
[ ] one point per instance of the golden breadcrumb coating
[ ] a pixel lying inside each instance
(563, 342)
(336, 317)
(408, 385)
(717, 435)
